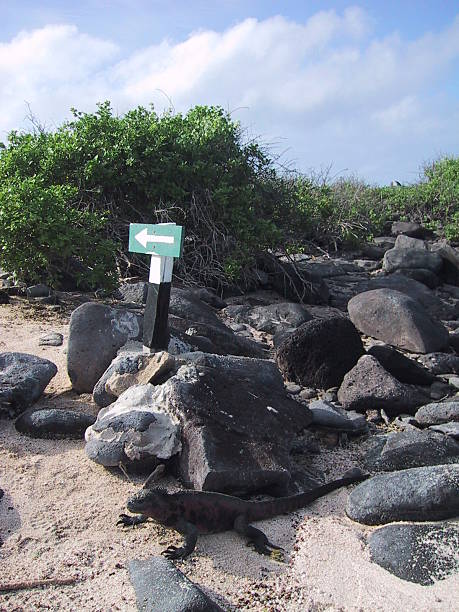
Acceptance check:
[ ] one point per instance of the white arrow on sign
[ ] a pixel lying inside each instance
(144, 238)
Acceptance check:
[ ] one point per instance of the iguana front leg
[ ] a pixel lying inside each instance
(130, 521)
(256, 537)
(190, 533)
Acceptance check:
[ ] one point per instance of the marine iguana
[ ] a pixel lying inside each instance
(197, 512)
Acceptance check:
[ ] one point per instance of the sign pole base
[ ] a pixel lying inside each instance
(155, 320)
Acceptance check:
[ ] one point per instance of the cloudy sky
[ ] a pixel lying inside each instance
(368, 88)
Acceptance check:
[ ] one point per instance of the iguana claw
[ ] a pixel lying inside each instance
(129, 521)
(174, 552)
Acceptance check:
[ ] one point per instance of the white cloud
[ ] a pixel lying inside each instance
(328, 87)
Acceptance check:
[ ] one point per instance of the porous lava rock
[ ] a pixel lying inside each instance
(320, 352)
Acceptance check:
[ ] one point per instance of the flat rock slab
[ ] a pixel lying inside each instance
(272, 318)
(23, 378)
(410, 448)
(417, 494)
(369, 386)
(417, 553)
(96, 333)
(161, 587)
(410, 258)
(320, 352)
(326, 415)
(51, 339)
(53, 423)
(397, 319)
(450, 429)
(437, 413)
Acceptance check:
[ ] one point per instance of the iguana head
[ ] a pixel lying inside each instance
(154, 503)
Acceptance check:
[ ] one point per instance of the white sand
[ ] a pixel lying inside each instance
(58, 520)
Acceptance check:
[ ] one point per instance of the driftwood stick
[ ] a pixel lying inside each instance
(34, 584)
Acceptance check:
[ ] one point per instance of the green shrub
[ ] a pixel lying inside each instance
(40, 233)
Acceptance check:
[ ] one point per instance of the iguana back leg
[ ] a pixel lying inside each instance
(256, 537)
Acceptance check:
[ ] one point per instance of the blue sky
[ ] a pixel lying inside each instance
(358, 88)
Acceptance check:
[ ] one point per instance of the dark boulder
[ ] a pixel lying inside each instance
(368, 386)
(161, 587)
(320, 352)
(409, 449)
(23, 378)
(95, 335)
(418, 494)
(238, 423)
(397, 319)
(53, 423)
(404, 369)
(186, 304)
(418, 553)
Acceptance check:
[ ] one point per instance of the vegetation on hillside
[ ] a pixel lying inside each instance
(67, 198)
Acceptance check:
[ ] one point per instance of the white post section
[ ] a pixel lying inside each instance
(161, 269)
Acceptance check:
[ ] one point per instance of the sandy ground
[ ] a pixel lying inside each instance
(58, 520)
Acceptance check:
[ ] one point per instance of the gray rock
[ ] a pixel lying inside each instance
(4, 297)
(367, 264)
(136, 293)
(406, 242)
(95, 335)
(397, 319)
(368, 385)
(209, 297)
(292, 283)
(454, 340)
(450, 429)
(409, 258)
(453, 381)
(418, 553)
(384, 242)
(437, 413)
(435, 306)
(186, 304)
(220, 339)
(133, 431)
(53, 423)
(418, 494)
(325, 414)
(23, 378)
(327, 269)
(51, 339)
(415, 230)
(426, 277)
(441, 363)
(409, 449)
(37, 291)
(161, 587)
(320, 352)
(404, 369)
(271, 319)
(450, 256)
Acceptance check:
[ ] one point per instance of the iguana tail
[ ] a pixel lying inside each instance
(282, 505)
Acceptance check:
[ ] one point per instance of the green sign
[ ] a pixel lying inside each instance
(161, 239)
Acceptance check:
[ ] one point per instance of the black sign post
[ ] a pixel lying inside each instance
(163, 242)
